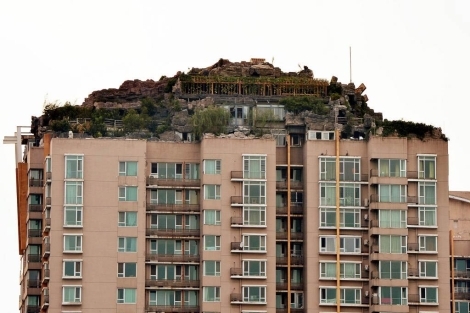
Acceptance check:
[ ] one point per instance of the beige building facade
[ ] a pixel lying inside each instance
(234, 225)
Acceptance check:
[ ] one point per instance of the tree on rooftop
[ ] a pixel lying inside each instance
(210, 120)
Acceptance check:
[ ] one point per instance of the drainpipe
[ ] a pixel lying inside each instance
(452, 271)
(288, 223)
(338, 269)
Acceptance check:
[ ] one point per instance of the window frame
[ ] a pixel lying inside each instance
(78, 198)
(78, 210)
(216, 246)
(246, 268)
(401, 170)
(78, 243)
(79, 166)
(77, 300)
(215, 294)
(217, 166)
(423, 268)
(403, 274)
(216, 213)
(247, 298)
(124, 222)
(216, 191)
(262, 242)
(126, 198)
(124, 247)
(122, 269)
(123, 299)
(125, 170)
(423, 160)
(424, 290)
(216, 265)
(77, 273)
(422, 242)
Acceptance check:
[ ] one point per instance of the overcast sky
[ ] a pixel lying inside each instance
(413, 56)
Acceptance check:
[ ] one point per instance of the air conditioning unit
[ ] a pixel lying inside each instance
(366, 267)
(366, 217)
(366, 242)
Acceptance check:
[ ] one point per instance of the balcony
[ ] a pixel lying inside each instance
(294, 184)
(173, 182)
(292, 310)
(236, 200)
(46, 275)
(47, 250)
(178, 282)
(172, 308)
(236, 298)
(36, 258)
(236, 272)
(295, 209)
(236, 221)
(45, 298)
(461, 295)
(461, 274)
(48, 176)
(282, 285)
(236, 175)
(294, 260)
(413, 272)
(165, 232)
(46, 224)
(282, 235)
(33, 182)
(413, 247)
(33, 309)
(35, 207)
(34, 233)
(171, 207)
(172, 257)
(48, 200)
(34, 283)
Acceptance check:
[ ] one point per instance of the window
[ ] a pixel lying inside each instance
(72, 269)
(393, 295)
(71, 294)
(167, 246)
(211, 268)
(166, 221)
(426, 167)
(212, 166)
(428, 295)
(127, 269)
(392, 168)
(327, 244)
(392, 270)
(212, 192)
(349, 194)
(167, 196)
(392, 219)
(427, 193)
(73, 192)
(128, 168)
(427, 216)
(127, 244)
(350, 218)
(171, 298)
(349, 169)
(254, 268)
(167, 170)
(328, 295)
(73, 216)
(211, 242)
(211, 294)
(191, 171)
(392, 244)
(254, 294)
(126, 295)
(297, 300)
(350, 244)
(127, 219)
(211, 217)
(254, 192)
(350, 295)
(327, 217)
(254, 167)
(72, 243)
(270, 112)
(280, 137)
(428, 243)
(462, 307)
(128, 193)
(428, 269)
(347, 270)
(254, 242)
(392, 193)
(74, 166)
(254, 216)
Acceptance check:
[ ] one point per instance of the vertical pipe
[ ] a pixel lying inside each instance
(288, 223)
(452, 271)
(338, 281)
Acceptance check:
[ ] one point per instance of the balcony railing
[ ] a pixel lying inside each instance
(294, 184)
(172, 257)
(34, 257)
(412, 220)
(292, 310)
(376, 173)
(293, 235)
(236, 297)
(46, 275)
(172, 182)
(360, 178)
(33, 182)
(173, 232)
(461, 295)
(295, 208)
(178, 282)
(47, 223)
(236, 220)
(48, 200)
(413, 298)
(33, 309)
(47, 249)
(236, 271)
(236, 200)
(413, 272)
(294, 260)
(35, 207)
(236, 245)
(461, 274)
(173, 207)
(34, 233)
(173, 308)
(282, 285)
(48, 175)
(34, 283)
(413, 246)
(236, 174)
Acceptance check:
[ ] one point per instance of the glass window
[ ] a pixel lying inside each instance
(392, 193)
(73, 216)
(72, 269)
(462, 307)
(128, 193)
(74, 166)
(127, 269)
(167, 170)
(392, 244)
(71, 294)
(327, 217)
(212, 166)
(426, 167)
(73, 192)
(328, 295)
(254, 242)
(254, 167)
(427, 216)
(393, 295)
(350, 244)
(128, 168)
(327, 244)
(211, 242)
(427, 193)
(392, 168)
(211, 192)
(254, 192)
(428, 269)
(211, 294)
(72, 243)
(211, 268)
(392, 270)
(327, 194)
(212, 217)
(254, 216)
(254, 294)
(168, 196)
(254, 268)
(127, 219)
(126, 295)
(428, 243)
(127, 244)
(428, 295)
(392, 219)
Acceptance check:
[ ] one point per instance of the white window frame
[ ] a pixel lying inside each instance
(123, 247)
(422, 193)
(261, 210)
(403, 193)
(216, 191)
(246, 240)
(403, 270)
(124, 196)
(403, 219)
(77, 297)
(247, 164)
(78, 185)
(123, 168)
(216, 217)
(216, 246)
(248, 198)
(216, 265)
(246, 294)
(356, 242)
(121, 272)
(78, 216)
(403, 300)
(325, 242)
(422, 266)
(123, 299)
(122, 222)
(79, 165)
(424, 299)
(77, 269)
(422, 159)
(401, 170)
(423, 211)
(422, 243)
(246, 267)
(78, 243)
(215, 293)
(217, 166)
(403, 240)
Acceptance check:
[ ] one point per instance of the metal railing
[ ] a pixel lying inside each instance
(171, 182)
(33, 182)
(172, 257)
(294, 260)
(173, 207)
(173, 308)
(177, 282)
(35, 207)
(293, 235)
(294, 184)
(172, 232)
(34, 233)
(295, 208)
(34, 257)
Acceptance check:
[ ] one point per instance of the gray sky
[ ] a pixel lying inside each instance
(413, 56)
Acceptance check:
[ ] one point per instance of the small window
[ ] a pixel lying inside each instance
(428, 243)
(127, 269)
(73, 166)
(72, 243)
(127, 219)
(72, 269)
(126, 295)
(128, 193)
(211, 243)
(212, 192)
(212, 217)
(211, 268)
(212, 166)
(127, 244)
(71, 294)
(73, 192)
(128, 168)
(428, 295)
(73, 216)
(211, 294)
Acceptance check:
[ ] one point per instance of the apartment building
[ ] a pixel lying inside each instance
(303, 222)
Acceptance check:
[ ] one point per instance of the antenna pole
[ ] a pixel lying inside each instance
(350, 66)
